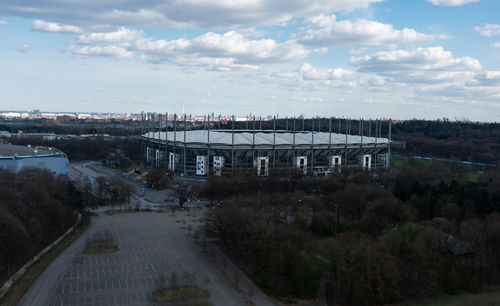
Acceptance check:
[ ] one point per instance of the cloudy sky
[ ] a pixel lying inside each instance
(353, 58)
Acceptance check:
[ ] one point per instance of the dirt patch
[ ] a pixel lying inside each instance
(102, 242)
(178, 294)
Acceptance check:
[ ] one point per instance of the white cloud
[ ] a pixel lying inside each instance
(311, 73)
(488, 30)
(307, 99)
(433, 74)
(432, 60)
(489, 78)
(327, 31)
(3, 22)
(234, 44)
(200, 13)
(121, 35)
(496, 45)
(451, 2)
(357, 51)
(252, 32)
(322, 20)
(23, 48)
(314, 78)
(212, 50)
(105, 51)
(226, 51)
(44, 26)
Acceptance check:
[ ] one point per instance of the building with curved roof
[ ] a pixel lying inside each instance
(14, 158)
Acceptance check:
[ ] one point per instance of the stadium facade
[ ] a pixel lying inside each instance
(262, 152)
(14, 158)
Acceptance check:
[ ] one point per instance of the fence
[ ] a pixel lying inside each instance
(8, 284)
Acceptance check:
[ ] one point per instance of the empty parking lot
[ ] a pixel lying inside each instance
(149, 244)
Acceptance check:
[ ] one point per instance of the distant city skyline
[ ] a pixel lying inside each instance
(424, 59)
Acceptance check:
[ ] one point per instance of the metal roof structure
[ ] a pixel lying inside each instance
(15, 151)
(245, 138)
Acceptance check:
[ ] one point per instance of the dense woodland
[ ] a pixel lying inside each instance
(36, 207)
(75, 127)
(476, 142)
(127, 150)
(413, 232)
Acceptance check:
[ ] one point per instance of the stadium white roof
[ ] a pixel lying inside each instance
(262, 138)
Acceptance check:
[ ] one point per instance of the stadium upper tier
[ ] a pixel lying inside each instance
(266, 138)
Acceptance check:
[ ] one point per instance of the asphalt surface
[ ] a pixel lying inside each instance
(156, 198)
(149, 244)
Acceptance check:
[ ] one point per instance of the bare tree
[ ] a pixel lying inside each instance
(87, 193)
(183, 192)
(206, 281)
(137, 204)
(162, 281)
(121, 191)
(126, 192)
(102, 188)
(189, 278)
(174, 283)
(236, 280)
(250, 294)
(158, 179)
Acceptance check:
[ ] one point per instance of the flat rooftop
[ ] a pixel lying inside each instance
(263, 138)
(9, 150)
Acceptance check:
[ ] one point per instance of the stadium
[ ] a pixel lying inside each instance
(262, 152)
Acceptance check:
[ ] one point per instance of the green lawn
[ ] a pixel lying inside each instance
(472, 175)
(398, 161)
(471, 172)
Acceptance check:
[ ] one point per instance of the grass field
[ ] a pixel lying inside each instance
(472, 173)
(398, 161)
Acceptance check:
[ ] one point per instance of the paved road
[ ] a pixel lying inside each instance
(149, 244)
(93, 169)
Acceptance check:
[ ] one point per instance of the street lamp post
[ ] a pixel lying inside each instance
(336, 216)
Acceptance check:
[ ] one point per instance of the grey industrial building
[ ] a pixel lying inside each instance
(261, 152)
(14, 158)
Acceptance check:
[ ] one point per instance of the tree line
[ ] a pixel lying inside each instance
(36, 207)
(462, 140)
(415, 231)
(127, 150)
(75, 127)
